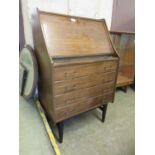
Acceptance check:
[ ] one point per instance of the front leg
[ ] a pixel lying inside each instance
(124, 89)
(104, 109)
(60, 131)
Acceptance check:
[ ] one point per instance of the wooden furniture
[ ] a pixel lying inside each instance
(77, 65)
(125, 45)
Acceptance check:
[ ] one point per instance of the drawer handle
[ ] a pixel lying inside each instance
(67, 102)
(71, 74)
(67, 75)
(103, 81)
(105, 90)
(108, 68)
(72, 110)
(74, 72)
(70, 88)
(69, 112)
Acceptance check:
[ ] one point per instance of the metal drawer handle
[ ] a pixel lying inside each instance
(108, 67)
(66, 74)
(104, 90)
(71, 74)
(103, 81)
(67, 102)
(74, 72)
(70, 88)
(70, 111)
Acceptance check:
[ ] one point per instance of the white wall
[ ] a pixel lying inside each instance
(86, 8)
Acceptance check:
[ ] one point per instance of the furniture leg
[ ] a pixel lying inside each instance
(124, 89)
(104, 109)
(48, 119)
(60, 131)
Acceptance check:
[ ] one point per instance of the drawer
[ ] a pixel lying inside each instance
(106, 97)
(84, 82)
(110, 66)
(74, 71)
(82, 105)
(71, 97)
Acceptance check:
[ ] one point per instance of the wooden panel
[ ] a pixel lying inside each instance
(123, 80)
(44, 67)
(74, 36)
(68, 98)
(77, 102)
(74, 71)
(128, 71)
(84, 82)
(82, 60)
(82, 105)
(77, 64)
(125, 45)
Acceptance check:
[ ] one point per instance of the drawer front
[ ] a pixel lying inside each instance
(71, 97)
(74, 71)
(79, 88)
(82, 105)
(84, 82)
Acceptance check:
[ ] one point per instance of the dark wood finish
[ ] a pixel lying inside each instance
(124, 88)
(124, 43)
(78, 64)
(104, 110)
(81, 37)
(60, 130)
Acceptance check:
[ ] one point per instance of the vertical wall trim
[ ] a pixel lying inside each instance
(27, 23)
(21, 28)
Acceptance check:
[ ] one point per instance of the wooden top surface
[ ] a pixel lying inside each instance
(67, 36)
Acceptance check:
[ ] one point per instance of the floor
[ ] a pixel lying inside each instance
(84, 134)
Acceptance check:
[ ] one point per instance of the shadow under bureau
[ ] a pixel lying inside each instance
(77, 64)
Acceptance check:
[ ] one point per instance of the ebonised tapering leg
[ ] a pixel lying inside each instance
(104, 109)
(60, 130)
(125, 89)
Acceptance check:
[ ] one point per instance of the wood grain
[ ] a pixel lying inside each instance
(78, 64)
(125, 45)
(63, 37)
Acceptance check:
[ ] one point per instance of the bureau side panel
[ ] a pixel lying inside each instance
(116, 75)
(45, 67)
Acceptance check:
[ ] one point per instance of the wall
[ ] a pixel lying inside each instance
(123, 18)
(94, 9)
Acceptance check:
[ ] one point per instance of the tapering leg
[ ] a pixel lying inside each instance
(124, 89)
(104, 109)
(60, 130)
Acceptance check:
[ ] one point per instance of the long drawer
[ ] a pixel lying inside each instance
(84, 82)
(74, 71)
(82, 105)
(71, 97)
(84, 99)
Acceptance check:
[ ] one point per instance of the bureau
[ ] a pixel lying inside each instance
(77, 64)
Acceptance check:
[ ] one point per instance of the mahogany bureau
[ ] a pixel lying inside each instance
(77, 63)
